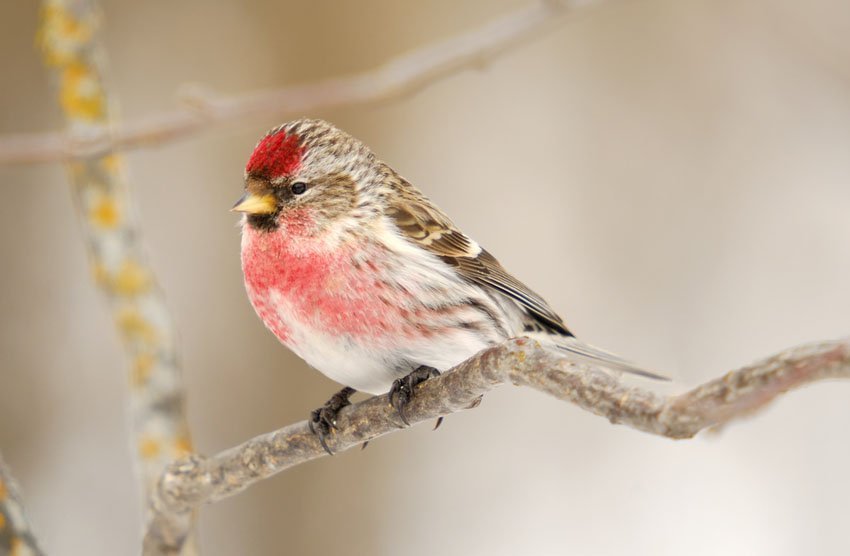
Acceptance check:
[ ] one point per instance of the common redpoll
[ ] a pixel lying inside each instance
(358, 273)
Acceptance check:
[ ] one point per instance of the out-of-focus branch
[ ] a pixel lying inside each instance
(16, 538)
(69, 39)
(202, 109)
(196, 480)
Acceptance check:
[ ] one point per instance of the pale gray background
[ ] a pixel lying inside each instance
(672, 175)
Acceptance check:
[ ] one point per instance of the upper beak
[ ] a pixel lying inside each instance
(255, 204)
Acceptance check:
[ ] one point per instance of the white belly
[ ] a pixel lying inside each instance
(373, 366)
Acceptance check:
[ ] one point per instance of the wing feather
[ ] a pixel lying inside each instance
(425, 225)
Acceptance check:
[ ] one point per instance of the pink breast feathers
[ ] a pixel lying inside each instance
(275, 156)
(320, 291)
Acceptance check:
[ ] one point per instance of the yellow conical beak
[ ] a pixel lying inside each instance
(255, 204)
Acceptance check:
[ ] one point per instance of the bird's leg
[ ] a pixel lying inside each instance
(402, 389)
(322, 420)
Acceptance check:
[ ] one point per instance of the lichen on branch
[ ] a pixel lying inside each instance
(16, 537)
(68, 38)
(202, 110)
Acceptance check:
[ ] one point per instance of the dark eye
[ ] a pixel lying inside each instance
(299, 187)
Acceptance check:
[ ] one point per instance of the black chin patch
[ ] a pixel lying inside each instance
(263, 222)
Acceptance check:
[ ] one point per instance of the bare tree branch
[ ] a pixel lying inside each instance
(202, 110)
(16, 536)
(176, 489)
(193, 481)
(69, 39)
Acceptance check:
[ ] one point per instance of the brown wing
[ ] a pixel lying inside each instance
(427, 226)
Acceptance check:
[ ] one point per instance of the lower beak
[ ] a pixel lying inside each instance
(255, 204)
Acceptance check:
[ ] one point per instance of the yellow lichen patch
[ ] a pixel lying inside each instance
(141, 371)
(80, 93)
(135, 327)
(111, 163)
(2, 522)
(104, 212)
(4, 492)
(18, 547)
(61, 34)
(131, 279)
(148, 447)
(77, 169)
(182, 446)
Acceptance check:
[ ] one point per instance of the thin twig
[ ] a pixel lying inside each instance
(196, 480)
(69, 39)
(16, 535)
(202, 110)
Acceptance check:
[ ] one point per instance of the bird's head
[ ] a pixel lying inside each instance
(305, 174)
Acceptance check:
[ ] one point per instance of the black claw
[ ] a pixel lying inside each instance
(399, 397)
(323, 420)
(321, 436)
(438, 423)
(402, 389)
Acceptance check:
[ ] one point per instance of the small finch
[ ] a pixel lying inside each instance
(358, 273)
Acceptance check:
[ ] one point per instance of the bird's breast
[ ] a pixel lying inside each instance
(363, 313)
(339, 291)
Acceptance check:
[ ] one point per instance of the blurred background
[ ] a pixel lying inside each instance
(672, 175)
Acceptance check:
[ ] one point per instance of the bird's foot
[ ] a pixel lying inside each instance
(323, 420)
(402, 389)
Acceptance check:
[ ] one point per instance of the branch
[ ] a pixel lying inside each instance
(196, 480)
(202, 110)
(68, 37)
(15, 532)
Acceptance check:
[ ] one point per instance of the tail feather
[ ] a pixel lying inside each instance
(596, 356)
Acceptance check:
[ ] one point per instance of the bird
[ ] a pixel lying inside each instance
(358, 273)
